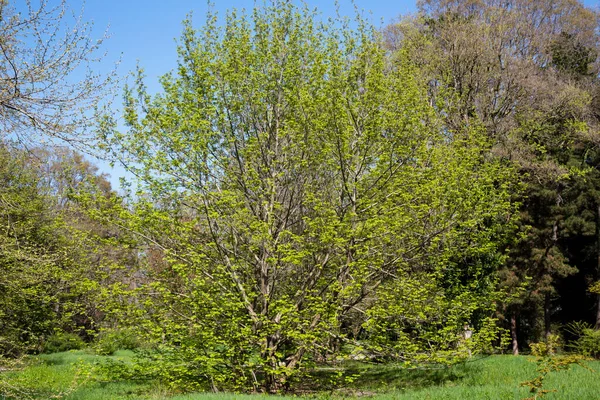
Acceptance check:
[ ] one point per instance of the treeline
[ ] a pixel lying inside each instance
(528, 72)
(307, 192)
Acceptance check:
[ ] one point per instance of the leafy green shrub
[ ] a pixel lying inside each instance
(588, 339)
(112, 340)
(588, 343)
(63, 341)
(547, 348)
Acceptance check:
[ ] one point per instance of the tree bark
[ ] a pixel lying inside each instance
(547, 316)
(513, 334)
(597, 311)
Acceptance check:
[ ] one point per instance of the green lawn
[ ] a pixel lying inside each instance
(495, 377)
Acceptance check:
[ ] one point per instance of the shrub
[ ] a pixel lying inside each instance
(63, 341)
(588, 339)
(547, 362)
(588, 343)
(547, 348)
(112, 340)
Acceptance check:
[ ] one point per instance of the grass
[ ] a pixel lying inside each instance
(496, 377)
(499, 377)
(66, 375)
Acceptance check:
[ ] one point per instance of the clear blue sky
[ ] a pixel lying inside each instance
(146, 30)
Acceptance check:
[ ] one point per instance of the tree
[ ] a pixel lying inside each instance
(522, 69)
(53, 256)
(299, 192)
(40, 266)
(48, 93)
(49, 90)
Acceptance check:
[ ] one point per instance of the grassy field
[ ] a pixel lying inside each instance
(495, 377)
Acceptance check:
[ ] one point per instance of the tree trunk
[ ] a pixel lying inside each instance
(513, 334)
(598, 311)
(547, 317)
(274, 382)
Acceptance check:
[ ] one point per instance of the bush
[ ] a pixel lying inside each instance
(63, 341)
(112, 340)
(588, 339)
(548, 348)
(588, 343)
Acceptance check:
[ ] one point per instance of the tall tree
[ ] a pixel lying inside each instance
(53, 256)
(517, 67)
(299, 188)
(39, 276)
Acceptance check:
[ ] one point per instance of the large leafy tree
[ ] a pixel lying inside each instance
(40, 267)
(53, 257)
(298, 191)
(26, 309)
(522, 69)
(48, 93)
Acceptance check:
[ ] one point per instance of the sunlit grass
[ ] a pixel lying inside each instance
(70, 375)
(500, 377)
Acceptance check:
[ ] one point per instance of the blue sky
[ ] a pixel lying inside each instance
(145, 31)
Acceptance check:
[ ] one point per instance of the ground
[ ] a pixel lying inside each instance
(70, 375)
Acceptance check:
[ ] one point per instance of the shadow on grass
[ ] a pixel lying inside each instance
(368, 379)
(55, 359)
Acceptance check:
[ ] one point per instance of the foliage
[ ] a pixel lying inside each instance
(589, 343)
(525, 71)
(298, 192)
(308, 193)
(111, 340)
(586, 339)
(32, 262)
(63, 341)
(50, 260)
(547, 362)
(595, 287)
(571, 56)
(547, 348)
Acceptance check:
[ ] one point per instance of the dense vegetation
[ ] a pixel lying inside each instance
(306, 194)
